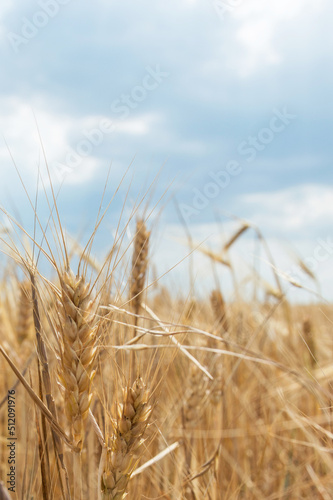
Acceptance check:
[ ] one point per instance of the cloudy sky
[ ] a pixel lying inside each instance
(228, 103)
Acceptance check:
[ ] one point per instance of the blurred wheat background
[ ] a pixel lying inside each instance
(124, 386)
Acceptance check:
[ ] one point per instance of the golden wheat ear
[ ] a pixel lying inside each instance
(310, 340)
(139, 265)
(219, 309)
(130, 426)
(24, 312)
(77, 328)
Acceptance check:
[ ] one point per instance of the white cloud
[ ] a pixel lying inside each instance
(256, 36)
(137, 126)
(61, 136)
(259, 23)
(292, 209)
(20, 130)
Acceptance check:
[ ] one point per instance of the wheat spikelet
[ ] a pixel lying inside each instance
(219, 309)
(139, 265)
(130, 425)
(305, 268)
(24, 313)
(214, 256)
(195, 396)
(310, 341)
(78, 334)
(235, 236)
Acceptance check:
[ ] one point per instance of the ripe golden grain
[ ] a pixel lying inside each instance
(24, 312)
(129, 427)
(139, 265)
(78, 334)
(219, 309)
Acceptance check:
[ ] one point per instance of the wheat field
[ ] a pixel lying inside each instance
(113, 386)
